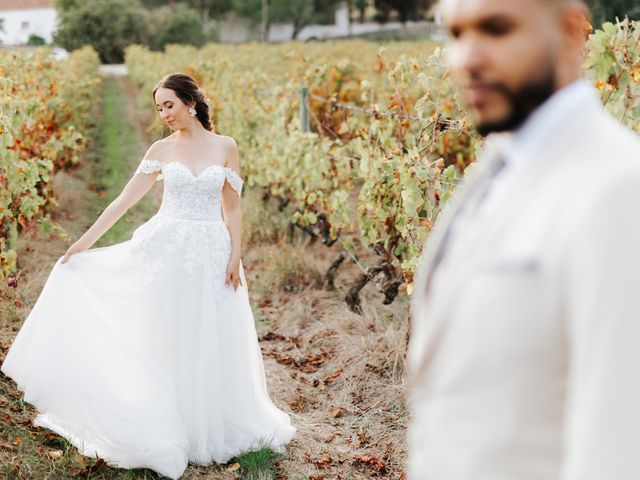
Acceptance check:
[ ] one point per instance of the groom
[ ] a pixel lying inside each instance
(525, 351)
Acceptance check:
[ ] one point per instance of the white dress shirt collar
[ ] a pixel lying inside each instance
(526, 145)
(547, 120)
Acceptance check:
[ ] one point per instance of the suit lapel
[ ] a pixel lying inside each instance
(436, 241)
(478, 237)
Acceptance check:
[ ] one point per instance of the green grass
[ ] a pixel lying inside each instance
(117, 153)
(259, 464)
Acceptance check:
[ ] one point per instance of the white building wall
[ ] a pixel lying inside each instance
(283, 32)
(234, 29)
(19, 24)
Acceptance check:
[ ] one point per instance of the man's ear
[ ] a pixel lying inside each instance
(576, 22)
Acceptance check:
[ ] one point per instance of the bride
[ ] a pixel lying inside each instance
(145, 352)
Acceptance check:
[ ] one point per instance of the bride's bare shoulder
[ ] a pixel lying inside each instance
(228, 143)
(158, 149)
(223, 140)
(231, 152)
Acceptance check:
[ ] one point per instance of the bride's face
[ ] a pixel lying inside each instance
(171, 109)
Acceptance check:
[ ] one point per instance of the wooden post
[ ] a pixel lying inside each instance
(304, 109)
(264, 23)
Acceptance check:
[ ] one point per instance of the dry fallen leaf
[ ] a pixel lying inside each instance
(324, 462)
(371, 461)
(16, 471)
(332, 437)
(88, 472)
(332, 378)
(364, 439)
(337, 412)
(233, 467)
(54, 454)
(299, 404)
(322, 334)
(7, 446)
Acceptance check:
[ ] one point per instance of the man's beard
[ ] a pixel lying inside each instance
(523, 102)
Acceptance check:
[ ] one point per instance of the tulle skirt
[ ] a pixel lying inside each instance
(135, 359)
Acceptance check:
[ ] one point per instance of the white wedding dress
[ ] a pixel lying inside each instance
(139, 353)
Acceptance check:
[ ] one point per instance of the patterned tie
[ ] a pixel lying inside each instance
(469, 206)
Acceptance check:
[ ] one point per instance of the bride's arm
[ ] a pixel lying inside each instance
(131, 194)
(233, 216)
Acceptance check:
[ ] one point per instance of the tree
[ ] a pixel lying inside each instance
(108, 25)
(361, 6)
(206, 8)
(61, 5)
(180, 25)
(250, 9)
(300, 13)
(406, 9)
(264, 20)
(608, 10)
(211, 8)
(36, 40)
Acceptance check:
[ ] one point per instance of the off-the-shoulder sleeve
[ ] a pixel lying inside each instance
(150, 166)
(234, 179)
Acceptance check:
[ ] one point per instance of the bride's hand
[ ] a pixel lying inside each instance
(75, 248)
(233, 273)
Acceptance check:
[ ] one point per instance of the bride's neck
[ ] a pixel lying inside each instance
(192, 131)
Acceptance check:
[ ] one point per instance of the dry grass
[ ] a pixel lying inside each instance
(262, 222)
(282, 267)
(339, 374)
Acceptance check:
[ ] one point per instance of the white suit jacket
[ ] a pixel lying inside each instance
(524, 356)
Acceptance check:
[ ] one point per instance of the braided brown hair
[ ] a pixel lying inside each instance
(187, 90)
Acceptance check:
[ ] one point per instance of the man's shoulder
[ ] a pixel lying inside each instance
(606, 164)
(609, 146)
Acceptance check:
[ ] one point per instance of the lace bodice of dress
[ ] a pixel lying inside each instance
(187, 232)
(189, 196)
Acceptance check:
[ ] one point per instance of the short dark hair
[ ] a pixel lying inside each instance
(588, 3)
